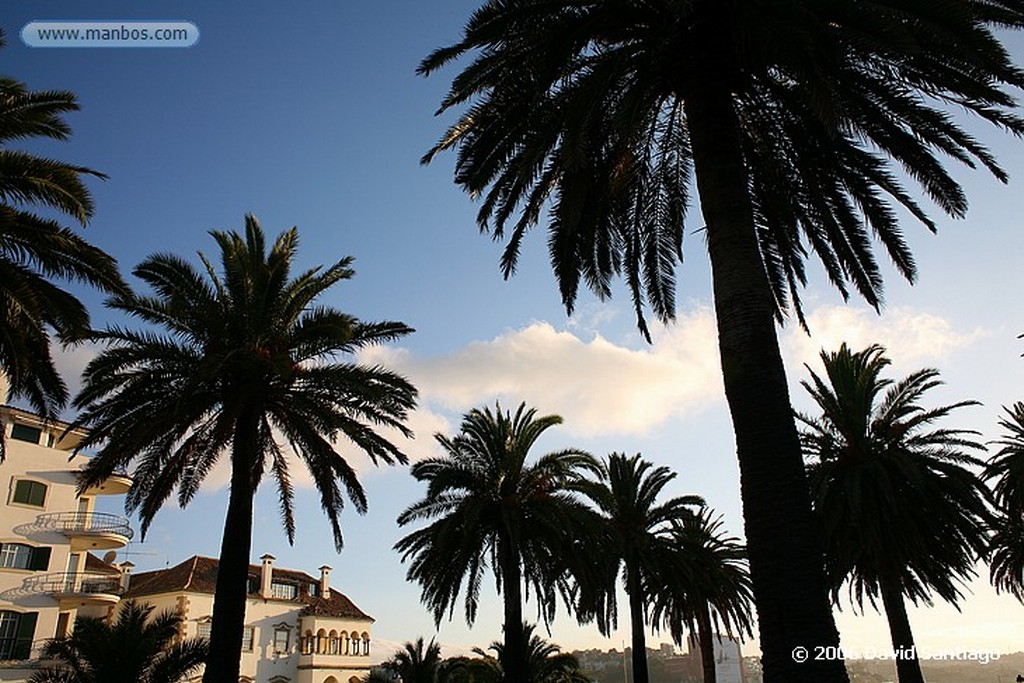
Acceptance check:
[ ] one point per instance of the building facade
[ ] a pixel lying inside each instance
(298, 629)
(48, 532)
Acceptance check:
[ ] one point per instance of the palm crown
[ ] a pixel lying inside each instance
(633, 535)
(902, 513)
(1006, 563)
(234, 362)
(36, 250)
(492, 509)
(137, 646)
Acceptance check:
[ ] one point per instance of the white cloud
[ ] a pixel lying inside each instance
(912, 338)
(597, 386)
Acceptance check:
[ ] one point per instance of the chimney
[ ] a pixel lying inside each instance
(126, 570)
(325, 582)
(265, 576)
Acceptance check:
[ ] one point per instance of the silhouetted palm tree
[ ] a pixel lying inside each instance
(132, 649)
(706, 587)
(902, 516)
(634, 537)
(1006, 561)
(34, 250)
(233, 360)
(491, 509)
(786, 116)
(544, 661)
(415, 663)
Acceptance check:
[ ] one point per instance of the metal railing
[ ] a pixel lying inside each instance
(86, 523)
(89, 583)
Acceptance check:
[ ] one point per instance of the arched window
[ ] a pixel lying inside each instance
(307, 643)
(344, 643)
(321, 642)
(333, 643)
(366, 643)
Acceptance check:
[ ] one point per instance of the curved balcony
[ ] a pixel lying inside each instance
(89, 530)
(77, 590)
(114, 485)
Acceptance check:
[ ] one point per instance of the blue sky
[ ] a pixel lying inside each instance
(315, 118)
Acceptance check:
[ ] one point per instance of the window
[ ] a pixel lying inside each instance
(16, 632)
(284, 591)
(253, 585)
(314, 590)
(281, 638)
(248, 636)
(203, 630)
(29, 492)
(26, 433)
(21, 556)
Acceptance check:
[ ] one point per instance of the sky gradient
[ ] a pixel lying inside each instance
(317, 119)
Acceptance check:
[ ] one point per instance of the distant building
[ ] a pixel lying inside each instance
(47, 575)
(297, 628)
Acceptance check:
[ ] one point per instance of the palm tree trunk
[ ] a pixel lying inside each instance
(784, 546)
(908, 668)
(636, 621)
(233, 569)
(707, 644)
(514, 666)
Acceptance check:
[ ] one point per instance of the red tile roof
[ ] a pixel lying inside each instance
(198, 574)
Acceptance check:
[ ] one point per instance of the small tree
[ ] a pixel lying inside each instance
(134, 648)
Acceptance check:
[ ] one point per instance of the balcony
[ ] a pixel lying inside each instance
(89, 530)
(78, 590)
(115, 485)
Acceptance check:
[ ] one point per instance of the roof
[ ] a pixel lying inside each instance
(198, 574)
(97, 566)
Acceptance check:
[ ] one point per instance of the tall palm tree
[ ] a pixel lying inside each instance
(707, 588)
(35, 250)
(545, 661)
(788, 116)
(134, 648)
(634, 538)
(1006, 562)
(230, 362)
(902, 515)
(415, 663)
(492, 509)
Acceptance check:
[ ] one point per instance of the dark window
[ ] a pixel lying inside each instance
(254, 585)
(21, 556)
(29, 492)
(26, 433)
(16, 632)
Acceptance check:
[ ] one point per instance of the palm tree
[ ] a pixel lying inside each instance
(633, 537)
(707, 589)
(133, 649)
(232, 361)
(901, 514)
(544, 661)
(491, 509)
(1006, 562)
(414, 664)
(35, 250)
(787, 115)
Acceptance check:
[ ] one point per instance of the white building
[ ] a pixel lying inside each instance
(297, 628)
(728, 658)
(47, 575)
